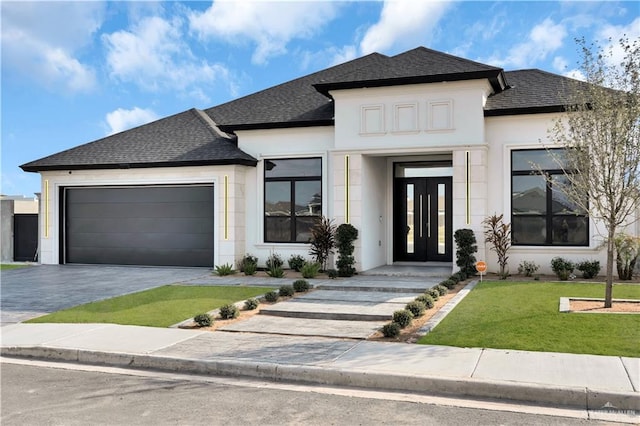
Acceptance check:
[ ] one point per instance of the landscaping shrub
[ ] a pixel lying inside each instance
(275, 271)
(332, 273)
(403, 318)
(528, 268)
(562, 267)
(426, 299)
(455, 278)
(345, 235)
(416, 308)
(229, 311)
(589, 268)
(251, 304)
(271, 296)
(442, 290)
(225, 269)
(466, 247)
(322, 240)
(296, 262)
(391, 329)
(203, 320)
(286, 291)
(450, 284)
(435, 294)
(627, 254)
(498, 234)
(310, 269)
(301, 286)
(248, 264)
(461, 276)
(274, 261)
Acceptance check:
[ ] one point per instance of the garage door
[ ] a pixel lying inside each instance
(143, 225)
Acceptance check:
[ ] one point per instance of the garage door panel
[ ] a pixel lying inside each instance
(143, 225)
(164, 226)
(131, 256)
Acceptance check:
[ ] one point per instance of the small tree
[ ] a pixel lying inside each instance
(346, 234)
(498, 234)
(601, 136)
(322, 241)
(466, 247)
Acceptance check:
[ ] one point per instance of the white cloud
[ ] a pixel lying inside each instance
(615, 33)
(270, 25)
(41, 40)
(124, 119)
(154, 56)
(403, 23)
(544, 39)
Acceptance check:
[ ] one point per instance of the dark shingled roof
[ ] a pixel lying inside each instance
(185, 139)
(305, 101)
(531, 91)
(194, 137)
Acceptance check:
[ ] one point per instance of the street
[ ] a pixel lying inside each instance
(48, 393)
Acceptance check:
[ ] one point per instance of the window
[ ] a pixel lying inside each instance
(292, 199)
(540, 213)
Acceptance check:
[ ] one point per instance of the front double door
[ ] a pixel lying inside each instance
(422, 219)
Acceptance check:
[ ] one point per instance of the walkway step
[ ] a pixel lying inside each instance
(349, 296)
(305, 327)
(386, 287)
(347, 311)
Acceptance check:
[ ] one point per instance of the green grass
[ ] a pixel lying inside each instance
(525, 316)
(7, 266)
(158, 307)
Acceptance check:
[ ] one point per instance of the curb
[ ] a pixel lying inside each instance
(576, 397)
(448, 307)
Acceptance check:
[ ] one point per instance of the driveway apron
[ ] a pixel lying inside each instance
(37, 290)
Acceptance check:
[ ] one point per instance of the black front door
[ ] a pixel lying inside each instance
(422, 219)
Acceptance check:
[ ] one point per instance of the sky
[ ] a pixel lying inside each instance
(74, 72)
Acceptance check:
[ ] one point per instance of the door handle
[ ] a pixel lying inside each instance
(429, 216)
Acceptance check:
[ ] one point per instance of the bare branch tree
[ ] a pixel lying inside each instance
(601, 136)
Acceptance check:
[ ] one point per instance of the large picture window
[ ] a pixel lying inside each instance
(292, 199)
(540, 213)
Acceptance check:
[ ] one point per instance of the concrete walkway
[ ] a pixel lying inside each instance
(586, 382)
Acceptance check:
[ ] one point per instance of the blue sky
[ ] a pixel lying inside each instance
(74, 72)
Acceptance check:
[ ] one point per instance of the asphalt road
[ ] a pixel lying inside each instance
(70, 395)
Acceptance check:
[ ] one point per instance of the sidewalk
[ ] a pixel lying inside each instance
(587, 382)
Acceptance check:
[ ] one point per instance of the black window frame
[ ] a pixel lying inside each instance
(292, 215)
(549, 214)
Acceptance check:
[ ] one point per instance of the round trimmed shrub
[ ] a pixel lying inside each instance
(229, 311)
(203, 320)
(435, 294)
(416, 308)
(251, 304)
(391, 329)
(271, 296)
(448, 284)
(442, 290)
(301, 286)
(454, 278)
(403, 318)
(296, 262)
(286, 291)
(426, 299)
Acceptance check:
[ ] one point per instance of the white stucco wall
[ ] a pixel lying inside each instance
(505, 134)
(466, 100)
(281, 143)
(226, 250)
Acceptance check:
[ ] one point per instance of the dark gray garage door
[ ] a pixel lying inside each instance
(149, 225)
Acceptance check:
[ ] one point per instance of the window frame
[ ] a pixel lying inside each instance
(549, 215)
(292, 180)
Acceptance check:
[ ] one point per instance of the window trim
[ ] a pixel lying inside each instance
(549, 215)
(292, 180)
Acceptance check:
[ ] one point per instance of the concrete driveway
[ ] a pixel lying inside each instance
(40, 289)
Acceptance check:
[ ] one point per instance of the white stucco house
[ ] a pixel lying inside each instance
(407, 148)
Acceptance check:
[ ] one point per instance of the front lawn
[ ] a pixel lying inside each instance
(9, 266)
(525, 316)
(158, 307)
